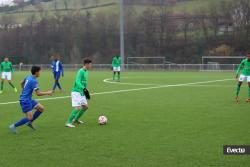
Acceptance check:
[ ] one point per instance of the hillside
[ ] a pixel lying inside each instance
(95, 6)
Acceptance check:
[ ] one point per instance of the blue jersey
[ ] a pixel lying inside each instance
(56, 66)
(30, 85)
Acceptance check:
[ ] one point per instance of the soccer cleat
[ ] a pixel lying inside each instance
(15, 90)
(78, 122)
(69, 125)
(12, 128)
(1, 92)
(237, 99)
(248, 100)
(30, 125)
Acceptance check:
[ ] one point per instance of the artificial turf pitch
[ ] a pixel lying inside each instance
(177, 125)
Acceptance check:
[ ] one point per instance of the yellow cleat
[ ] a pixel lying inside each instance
(1, 92)
(15, 90)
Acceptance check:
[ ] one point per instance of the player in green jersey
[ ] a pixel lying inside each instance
(6, 70)
(244, 76)
(79, 95)
(116, 65)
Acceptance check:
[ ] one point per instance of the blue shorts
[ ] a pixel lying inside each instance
(57, 75)
(28, 105)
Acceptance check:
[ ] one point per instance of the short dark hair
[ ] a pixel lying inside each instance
(35, 69)
(87, 61)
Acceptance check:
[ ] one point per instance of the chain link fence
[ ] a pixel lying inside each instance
(142, 67)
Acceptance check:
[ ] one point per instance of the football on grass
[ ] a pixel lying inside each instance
(102, 120)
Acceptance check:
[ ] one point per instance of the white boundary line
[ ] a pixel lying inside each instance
(128, 90)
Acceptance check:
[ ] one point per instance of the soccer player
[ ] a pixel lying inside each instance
(116, 64)
(57, 69)
(7, 70)
(245, 75)
(30, 84)
(80, 95)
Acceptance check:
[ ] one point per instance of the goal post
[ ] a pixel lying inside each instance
(222, 59)
(215, 63)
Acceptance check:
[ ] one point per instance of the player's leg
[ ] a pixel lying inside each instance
(248, 82)
(73, 114)
(238, 89)
(39, 110)
(84, 108)
(114, 74)
(9, 81)
(2, 82)
(80, 114)
(241, 79)
(119, 73)
(57, 81)
(55, 84)
(1, 89)
(21, 122)
(76, 104)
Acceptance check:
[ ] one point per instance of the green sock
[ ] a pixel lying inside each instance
(79, 114)
(2, 85)
(249, 92)
(119, 76)
(238, 90)
(113, 76)
(72, 116)
(11, 85)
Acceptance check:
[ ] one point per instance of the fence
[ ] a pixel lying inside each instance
(143, 67)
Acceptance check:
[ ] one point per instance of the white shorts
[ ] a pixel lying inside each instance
(6, 75)
(244, 78)
(78, 100)
(116, 69)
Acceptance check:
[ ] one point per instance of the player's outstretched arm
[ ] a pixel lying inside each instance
(40, 93)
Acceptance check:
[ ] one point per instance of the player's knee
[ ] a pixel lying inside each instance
(77, 108)
(85, 107)
(41, 108)
(30, 117)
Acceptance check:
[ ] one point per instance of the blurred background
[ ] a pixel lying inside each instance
(175, 31)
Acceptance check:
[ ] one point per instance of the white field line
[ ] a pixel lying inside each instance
(220, 86)
(128, 90)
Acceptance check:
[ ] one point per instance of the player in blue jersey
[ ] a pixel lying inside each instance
(30, 85)
(57, 69)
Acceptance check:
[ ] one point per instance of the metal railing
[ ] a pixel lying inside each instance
(142, 67)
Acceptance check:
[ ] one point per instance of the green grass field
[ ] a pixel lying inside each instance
(180, 125)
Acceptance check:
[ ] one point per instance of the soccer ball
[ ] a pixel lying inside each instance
(102, 120)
